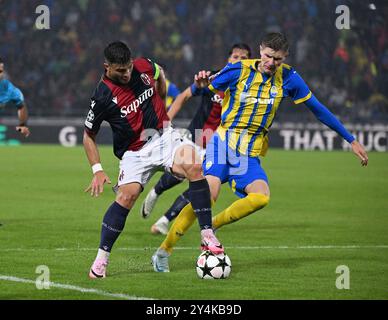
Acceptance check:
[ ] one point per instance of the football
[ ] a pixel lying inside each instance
(211, 266)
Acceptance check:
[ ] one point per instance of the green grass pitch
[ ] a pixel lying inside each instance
(325, 211)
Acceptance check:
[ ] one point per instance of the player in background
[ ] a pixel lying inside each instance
(205, 121)
(253, 90)
(172, 93)
(9, 94)
(130, 97)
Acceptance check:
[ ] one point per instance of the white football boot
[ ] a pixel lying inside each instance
(149, 204)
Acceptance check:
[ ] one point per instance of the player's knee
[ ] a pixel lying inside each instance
(126, 199)
(258, 200)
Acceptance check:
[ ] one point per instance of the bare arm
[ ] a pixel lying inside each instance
(201, 80)
(91, 149)
(99, 178)
(179, 102)
(23, 117)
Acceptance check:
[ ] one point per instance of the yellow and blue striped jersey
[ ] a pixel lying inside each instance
(251, 101)
(172, 93)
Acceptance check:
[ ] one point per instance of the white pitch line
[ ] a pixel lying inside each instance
(314, 247)
(75, 288)
(382, 246)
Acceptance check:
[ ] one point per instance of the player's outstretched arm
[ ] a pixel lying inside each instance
(178, 103)
(99, 177)
(23, 117)
(326, 117)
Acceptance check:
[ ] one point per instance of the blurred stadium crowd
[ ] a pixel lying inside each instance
(57, 69)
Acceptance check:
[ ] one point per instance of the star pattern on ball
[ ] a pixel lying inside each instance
(206, 270)
(213, 266)
(222, 263)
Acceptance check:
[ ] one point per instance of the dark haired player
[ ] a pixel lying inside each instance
(130, 97)
(201, 128)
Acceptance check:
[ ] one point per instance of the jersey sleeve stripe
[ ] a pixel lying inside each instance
(303, 99)
(212, 89)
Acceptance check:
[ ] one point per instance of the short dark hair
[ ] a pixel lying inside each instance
(276, 41)
(1, 60)
(117, 52)
(241, 46)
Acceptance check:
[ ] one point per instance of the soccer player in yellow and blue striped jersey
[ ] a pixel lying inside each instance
(253, 90)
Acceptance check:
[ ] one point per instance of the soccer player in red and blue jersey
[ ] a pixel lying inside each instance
(9, 94)
(253, 90)
(200, 129)
(130, 97)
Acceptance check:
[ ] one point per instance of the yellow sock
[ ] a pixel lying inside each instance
(182, 223)
(240, 209)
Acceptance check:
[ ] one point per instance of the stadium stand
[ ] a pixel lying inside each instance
(57, 69)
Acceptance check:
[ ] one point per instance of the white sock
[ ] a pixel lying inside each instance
(101, 254)
(163, 220)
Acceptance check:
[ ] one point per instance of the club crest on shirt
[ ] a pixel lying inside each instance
(145, 78)
(274, 91)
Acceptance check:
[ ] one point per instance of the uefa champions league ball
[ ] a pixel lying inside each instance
(211, 266)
